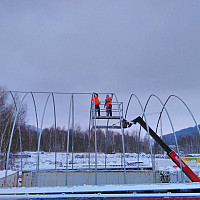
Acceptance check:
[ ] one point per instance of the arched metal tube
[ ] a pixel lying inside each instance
(164, 108)
(143, 114)
(20, 135)
(187, 109)
(11, 136)
(173, 131)
(35, 108)
(19, 122)
(39, 139)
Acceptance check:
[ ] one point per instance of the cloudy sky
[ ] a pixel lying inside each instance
(134, 46)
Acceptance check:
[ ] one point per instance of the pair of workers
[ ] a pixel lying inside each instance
(108, 104)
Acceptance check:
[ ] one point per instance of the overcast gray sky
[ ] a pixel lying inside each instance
(125, 47)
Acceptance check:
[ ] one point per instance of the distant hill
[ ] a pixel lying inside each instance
(169, 138)
(33, 128)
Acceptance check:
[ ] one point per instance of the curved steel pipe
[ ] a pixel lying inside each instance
(11, 136)
(187, 109)
(19, 122)
(20, 135)
(40, 134)
(173, 131)
(164, 108)
(35, 108)
(145, 118)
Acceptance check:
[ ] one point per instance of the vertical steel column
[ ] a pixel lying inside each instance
(89, 145)
(20, 141)
(67, 160)
(122, 131)
(138, 149)
(72, 131)
(55, 132)
(161, 131)
(106, 140)
(95, 140)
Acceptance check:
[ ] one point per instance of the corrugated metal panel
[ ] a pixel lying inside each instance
(88, 178)
(12, 179)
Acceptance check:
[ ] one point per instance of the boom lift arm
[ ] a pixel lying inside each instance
(172, 154)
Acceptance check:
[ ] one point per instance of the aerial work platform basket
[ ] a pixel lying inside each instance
(107, 122)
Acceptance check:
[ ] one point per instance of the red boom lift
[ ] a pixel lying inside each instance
(172, 154)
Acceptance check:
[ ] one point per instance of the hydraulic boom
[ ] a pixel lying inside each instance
(172, 154)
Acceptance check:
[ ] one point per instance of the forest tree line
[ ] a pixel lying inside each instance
(55, 139)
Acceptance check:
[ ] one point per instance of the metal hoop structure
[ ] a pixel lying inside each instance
(92, 121)
(143, 114)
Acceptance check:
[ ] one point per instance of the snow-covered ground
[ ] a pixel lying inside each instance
(110, 161)
(80, 160)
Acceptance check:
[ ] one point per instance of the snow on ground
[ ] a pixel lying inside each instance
(47, 161)
(81, 160)
(104, 188)
(114, 161)
(112, 191)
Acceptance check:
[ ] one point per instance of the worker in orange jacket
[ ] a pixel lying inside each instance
(108, 105)
(96, 103)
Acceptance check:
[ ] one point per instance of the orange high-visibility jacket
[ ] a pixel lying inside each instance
(96, 100)
(108, 101)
